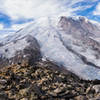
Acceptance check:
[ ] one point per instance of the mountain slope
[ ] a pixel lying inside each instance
(72, 43)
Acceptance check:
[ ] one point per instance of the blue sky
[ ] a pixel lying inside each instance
(89, 12)
(14, 14)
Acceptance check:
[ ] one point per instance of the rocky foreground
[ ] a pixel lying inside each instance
(44, 81)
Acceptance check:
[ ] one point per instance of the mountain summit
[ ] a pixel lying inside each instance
(71, 42)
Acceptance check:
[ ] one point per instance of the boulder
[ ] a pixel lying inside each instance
(96, 88)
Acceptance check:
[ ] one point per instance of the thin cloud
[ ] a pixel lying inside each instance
(17, 9)
(1, 26)
(97, 11)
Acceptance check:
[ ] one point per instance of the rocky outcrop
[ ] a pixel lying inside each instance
(78, 27)
(44, 81)
(25, 49)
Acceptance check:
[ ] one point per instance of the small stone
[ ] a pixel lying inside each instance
(81, 98)
(52, 93)
(88, 90)
(3, 96)
(2, 81)
(58, 90)
(96, 88)
(23, 92)
(24, 99)
(2, 87)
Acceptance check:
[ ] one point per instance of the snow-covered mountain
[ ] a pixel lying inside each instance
(70, 42)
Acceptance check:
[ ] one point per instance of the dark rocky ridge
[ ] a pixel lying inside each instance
(79, 27)
(30, 53)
